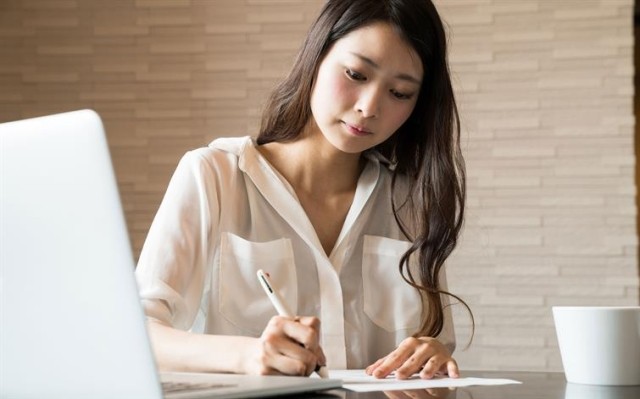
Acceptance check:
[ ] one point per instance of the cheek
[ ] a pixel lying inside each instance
(341, 89)
(332, 89)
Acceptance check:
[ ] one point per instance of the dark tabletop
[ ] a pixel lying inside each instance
(535, 385)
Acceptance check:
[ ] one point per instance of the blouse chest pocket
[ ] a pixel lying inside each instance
(389, 301)
(243, 302)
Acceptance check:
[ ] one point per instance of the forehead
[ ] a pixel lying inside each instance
(382, 43)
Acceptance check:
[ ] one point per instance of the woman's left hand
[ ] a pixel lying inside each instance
(425, 355)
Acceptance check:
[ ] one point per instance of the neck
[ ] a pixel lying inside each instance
(313, 166)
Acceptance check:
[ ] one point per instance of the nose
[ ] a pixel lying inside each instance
(368, 104)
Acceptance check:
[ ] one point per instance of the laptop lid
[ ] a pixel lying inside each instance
(70, 323)
(71, 320)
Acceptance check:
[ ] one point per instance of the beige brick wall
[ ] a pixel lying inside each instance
(166, 75)
(545, 90)
(546, 97)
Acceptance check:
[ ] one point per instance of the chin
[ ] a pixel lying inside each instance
(349, 145)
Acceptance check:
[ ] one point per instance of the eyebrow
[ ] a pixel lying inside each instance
(402, 76)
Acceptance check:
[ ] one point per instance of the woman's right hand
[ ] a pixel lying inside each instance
(287, 346)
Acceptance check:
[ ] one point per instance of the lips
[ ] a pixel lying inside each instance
(357, 130)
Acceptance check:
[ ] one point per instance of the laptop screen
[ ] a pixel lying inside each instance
(71, 318)
(72, 322)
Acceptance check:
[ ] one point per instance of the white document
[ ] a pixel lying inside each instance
(359, 381)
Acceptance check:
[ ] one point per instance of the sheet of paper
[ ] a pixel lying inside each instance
(359, 381)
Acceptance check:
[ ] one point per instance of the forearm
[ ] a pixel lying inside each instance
(177, 350)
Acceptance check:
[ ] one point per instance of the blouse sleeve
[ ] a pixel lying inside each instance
(171, 271)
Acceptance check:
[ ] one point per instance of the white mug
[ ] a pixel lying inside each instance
(599, 345)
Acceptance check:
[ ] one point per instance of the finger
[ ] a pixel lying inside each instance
(396, 358)
(287, 356)
(322, 359)
(310, 321)
(414, 363)
(269, 371)
(432, 366)
(452, 368)
(306, 331)
(276, 325)
(276, 343)
(289, 366)
(264, 361)
(293, 350)
(370, 368)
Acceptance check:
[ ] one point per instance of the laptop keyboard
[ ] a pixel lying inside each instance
(171, 386)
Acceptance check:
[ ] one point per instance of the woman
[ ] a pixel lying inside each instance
(351, 198)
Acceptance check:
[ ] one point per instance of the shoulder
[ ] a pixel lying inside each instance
(220, 153)
(231, 145)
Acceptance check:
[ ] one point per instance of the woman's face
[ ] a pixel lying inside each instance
(366, 87)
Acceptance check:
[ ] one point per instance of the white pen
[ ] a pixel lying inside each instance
(283, 310)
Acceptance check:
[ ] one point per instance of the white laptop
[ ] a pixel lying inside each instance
(71, 321)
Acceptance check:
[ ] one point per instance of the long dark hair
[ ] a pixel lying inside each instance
(424, 151)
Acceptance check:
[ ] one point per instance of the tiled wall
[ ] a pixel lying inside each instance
(166, 75)
(545, 91)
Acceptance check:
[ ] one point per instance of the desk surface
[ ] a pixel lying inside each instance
(535, 385)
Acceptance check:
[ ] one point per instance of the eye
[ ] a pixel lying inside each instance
(401, 96)
(353, 75)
